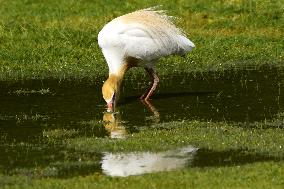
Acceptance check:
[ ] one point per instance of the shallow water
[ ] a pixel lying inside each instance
(126, 164)
(34, 109)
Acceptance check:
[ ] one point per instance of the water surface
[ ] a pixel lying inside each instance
(33, 110)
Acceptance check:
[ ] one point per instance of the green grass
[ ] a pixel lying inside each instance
(263, 141)
(223, 177)
(48, 39)
(58, 40)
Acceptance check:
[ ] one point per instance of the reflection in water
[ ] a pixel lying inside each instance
(126, 164)
(36, 113)
(152, 109)
(114, 125)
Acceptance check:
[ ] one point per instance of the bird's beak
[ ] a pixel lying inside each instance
(111, 104)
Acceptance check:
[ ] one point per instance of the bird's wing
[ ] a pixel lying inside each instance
(147, 44)
(140, 43)
(118, 40)
(146, 39)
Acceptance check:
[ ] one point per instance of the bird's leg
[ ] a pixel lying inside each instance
(154, 82)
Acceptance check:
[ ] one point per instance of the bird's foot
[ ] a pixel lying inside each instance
(146, 96)
(142, 97)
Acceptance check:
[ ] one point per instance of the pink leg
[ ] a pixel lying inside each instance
(154, 82)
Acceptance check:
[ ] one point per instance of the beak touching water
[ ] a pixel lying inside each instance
(111, 104)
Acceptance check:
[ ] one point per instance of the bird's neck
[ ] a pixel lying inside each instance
(115, 78)
(121, 68)
(118, 75)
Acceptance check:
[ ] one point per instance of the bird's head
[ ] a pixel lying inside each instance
(110, 92)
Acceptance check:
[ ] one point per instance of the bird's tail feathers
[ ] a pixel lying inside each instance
(185, 44)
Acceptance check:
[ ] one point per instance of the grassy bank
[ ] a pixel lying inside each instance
(254, 154)
(48, 39)
(53, 41)
(222, 177)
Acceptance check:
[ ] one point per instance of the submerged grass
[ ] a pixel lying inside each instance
(44, 39)
(265, 145)
(259, 137)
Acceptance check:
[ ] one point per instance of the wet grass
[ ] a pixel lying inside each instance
(28, 92)
(51, 137)
(234, 156)
(224, 177)
(58, 138)
(59, 40)
(255, 138)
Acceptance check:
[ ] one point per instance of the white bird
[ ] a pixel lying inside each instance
(138, 39)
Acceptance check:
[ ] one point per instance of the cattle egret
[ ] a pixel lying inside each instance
(138, 39)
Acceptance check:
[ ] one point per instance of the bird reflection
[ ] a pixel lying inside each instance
(137, 163)
(114, 125)
(156, 115)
